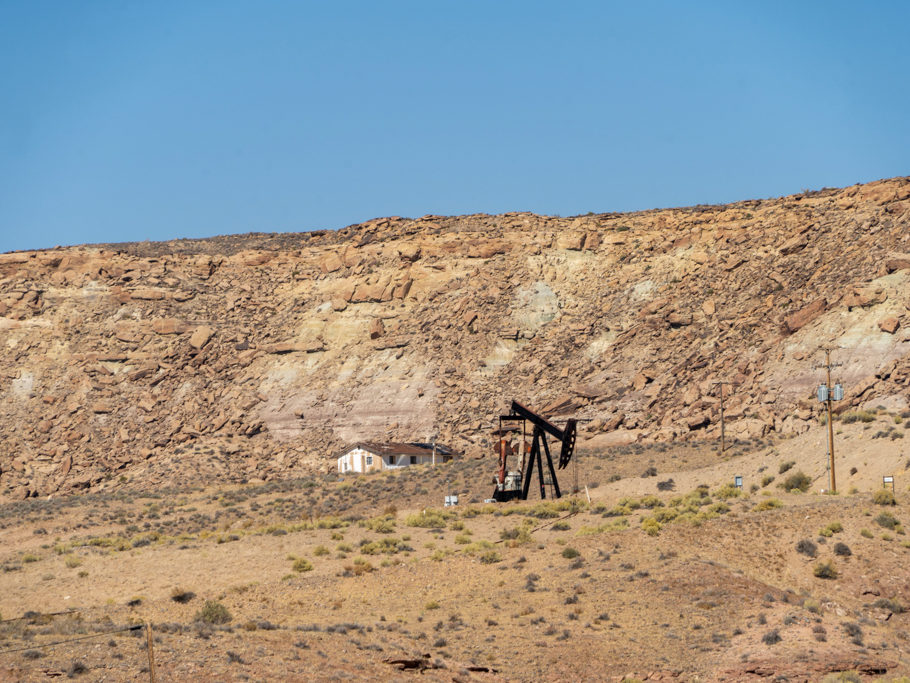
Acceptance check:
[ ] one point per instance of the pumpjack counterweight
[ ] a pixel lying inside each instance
(512, 484)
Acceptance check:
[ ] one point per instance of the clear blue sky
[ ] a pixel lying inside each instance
(155, 120)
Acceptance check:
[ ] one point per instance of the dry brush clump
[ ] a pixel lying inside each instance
(825, 570)
(797, 482)
(213, 612)
(884, 497)
(806, 547)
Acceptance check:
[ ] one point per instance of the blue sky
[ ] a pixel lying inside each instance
(156, 120)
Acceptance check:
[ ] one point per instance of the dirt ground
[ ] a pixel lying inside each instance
(675, 576)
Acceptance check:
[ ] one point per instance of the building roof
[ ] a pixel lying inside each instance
(396, 448)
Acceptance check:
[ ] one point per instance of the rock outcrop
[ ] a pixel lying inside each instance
(256, 356)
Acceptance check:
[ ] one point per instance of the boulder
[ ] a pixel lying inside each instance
(619, 437)
(365, 293)
(201, 336)
(574, 241)
(861, 297)
(792, 245)
(679, 319)
(889, 324)
(148, 294)
(805, 315)
(897, 262)
(168, 326)
(330, 263)
(409, 251)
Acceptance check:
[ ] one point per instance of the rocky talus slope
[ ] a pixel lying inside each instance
(257, 356)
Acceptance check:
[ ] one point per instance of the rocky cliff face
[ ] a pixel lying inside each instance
(257, 356)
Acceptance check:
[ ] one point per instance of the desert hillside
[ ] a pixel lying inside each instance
(254, 358)
(170, 412)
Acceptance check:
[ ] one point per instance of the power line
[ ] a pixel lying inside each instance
(35, 646)
(35, 615)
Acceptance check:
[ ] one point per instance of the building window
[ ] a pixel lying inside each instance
(369, 460)
(413, 459)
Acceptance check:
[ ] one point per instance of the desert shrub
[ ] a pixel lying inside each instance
(432, 604)
(865, 533)
(651, 502)
(884, 497)
(381, 525)
(301, 564)
(728, 491)
(561, 526)
(77, 668)
(320, 550)
(785, 466)
(615, 525)
(806, 547)
(772, 637)
(516, 536)
(886, 520)
(831, 529)
(855, 631)
(478, 547)
(570, 553)
(768, 504)
(843, 677)
(360, 566)
(767, 479)
(650, 526)
(552, 509)
(72, 561)
(825, 570)
(213, 612)
(665, 515)
(890, 605)
(385, 546)
(649, 472)
(857, 416)
(429, 519)
(812, 605)
(798, 481)
(331, 523)
(667, 485)
(490, 557)
(842, 549)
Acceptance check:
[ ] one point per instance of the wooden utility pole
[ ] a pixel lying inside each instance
(830, 422)
(832, 482)
(723, 439)
(153, 676)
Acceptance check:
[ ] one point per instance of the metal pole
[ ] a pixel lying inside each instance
(830, 423)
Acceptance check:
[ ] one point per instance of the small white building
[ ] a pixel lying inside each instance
(368, 456)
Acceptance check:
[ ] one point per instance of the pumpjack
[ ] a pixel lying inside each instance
(512, 484)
